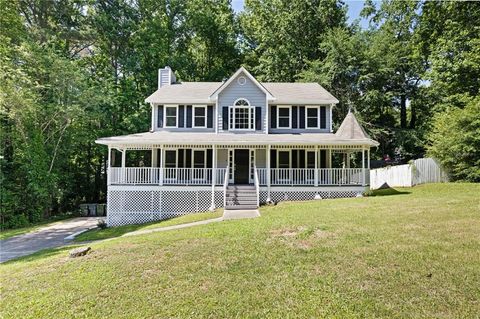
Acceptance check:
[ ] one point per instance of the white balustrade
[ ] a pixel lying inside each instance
(203, 176)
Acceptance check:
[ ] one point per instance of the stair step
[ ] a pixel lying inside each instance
(242, 202)
(241, 207)
(241, 187)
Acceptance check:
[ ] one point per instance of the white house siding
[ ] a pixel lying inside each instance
(261, 158)
(234, 91)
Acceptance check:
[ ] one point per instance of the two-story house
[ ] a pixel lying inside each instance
(234, 144)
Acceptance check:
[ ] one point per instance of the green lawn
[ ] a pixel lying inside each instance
(7, 233)
(97, 234)
(412, 254)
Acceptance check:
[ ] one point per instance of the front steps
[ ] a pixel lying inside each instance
(241, 197)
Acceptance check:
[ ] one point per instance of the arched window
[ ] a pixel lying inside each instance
(242, 115)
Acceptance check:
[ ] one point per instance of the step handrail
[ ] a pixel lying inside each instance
(225, 184)
(257, 184)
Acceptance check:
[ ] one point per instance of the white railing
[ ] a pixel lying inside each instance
(171, 176)
(262, 176)
(292, 176)
(256, 182)
(340, 176)
(306, 176)
(225, 184)
(203, 176)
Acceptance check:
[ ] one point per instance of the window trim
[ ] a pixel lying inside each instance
(194, 116)
(289, 107)
(289, 151)
(165, 107)
(306, 117)
(165, 150)
(251, 115)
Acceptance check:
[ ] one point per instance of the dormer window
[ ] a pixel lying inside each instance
(242, 115)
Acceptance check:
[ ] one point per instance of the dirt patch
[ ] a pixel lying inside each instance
(301, 237)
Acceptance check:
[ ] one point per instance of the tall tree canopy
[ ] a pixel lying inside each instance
(75, 70)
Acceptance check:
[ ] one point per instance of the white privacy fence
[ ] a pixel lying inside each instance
(420, 171)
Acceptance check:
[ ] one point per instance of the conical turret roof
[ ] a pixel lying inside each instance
(351, 129)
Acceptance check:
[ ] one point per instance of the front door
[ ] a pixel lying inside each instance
(242, 166)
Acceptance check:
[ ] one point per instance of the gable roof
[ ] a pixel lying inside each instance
(199, 92)
(225, 84)
(351, 129)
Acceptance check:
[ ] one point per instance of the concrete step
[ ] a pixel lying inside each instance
(242, 187)
(241, 207)
(242, 202)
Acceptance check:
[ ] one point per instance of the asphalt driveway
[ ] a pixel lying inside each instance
(43, 238)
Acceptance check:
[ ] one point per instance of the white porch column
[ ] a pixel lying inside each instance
(316, 166)
(363, 166)
(268, 174)
(368, 165)
(124, 157)
(109, 164)
(162, 161)
(214, 175)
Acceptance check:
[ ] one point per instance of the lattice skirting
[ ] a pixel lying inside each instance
(307, 194)
(143, 206)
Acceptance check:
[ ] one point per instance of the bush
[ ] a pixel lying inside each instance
(455, 141)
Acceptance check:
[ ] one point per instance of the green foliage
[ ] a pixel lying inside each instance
(455, 141)
(72, 71)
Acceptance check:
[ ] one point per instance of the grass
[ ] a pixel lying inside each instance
(415, 253)
(7, 233)
(97, 234)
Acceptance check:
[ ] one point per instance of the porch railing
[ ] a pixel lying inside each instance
(203, 176)
(171, 176)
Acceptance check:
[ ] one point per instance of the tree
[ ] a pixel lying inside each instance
(280, 36)
(455, 141)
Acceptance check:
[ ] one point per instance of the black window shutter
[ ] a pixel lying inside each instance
(323, 117)
(273, 158)
(189, 116)
(294, 117)
(188, 157)
(225, 118)
(181, 116)
(273, 116)
(209, 158)
(181, 155)
(258, 118)
(295, 159)
(301, 158)
(302, 117)
(210, 116)
(160, 116)
(323, 158)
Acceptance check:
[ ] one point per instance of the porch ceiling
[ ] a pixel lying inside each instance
(184, 138)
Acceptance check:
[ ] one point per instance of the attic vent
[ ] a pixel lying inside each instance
(242, 80)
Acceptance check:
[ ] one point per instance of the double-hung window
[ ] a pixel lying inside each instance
(312, 117)
(199, 116)
(171, 116)
(284, 118)
(242, 115)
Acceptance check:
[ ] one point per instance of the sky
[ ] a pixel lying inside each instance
(354, 8)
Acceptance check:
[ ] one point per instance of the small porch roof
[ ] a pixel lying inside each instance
(187, 138)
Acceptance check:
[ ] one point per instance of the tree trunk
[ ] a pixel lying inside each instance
(403, 111)
(413, 118)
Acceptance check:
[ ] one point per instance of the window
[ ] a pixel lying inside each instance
(312, 117)
(199, 116)
(284, 117)
(242, 115)
(170, 159)
(283, 159)
(199, 159)
(171, 116)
